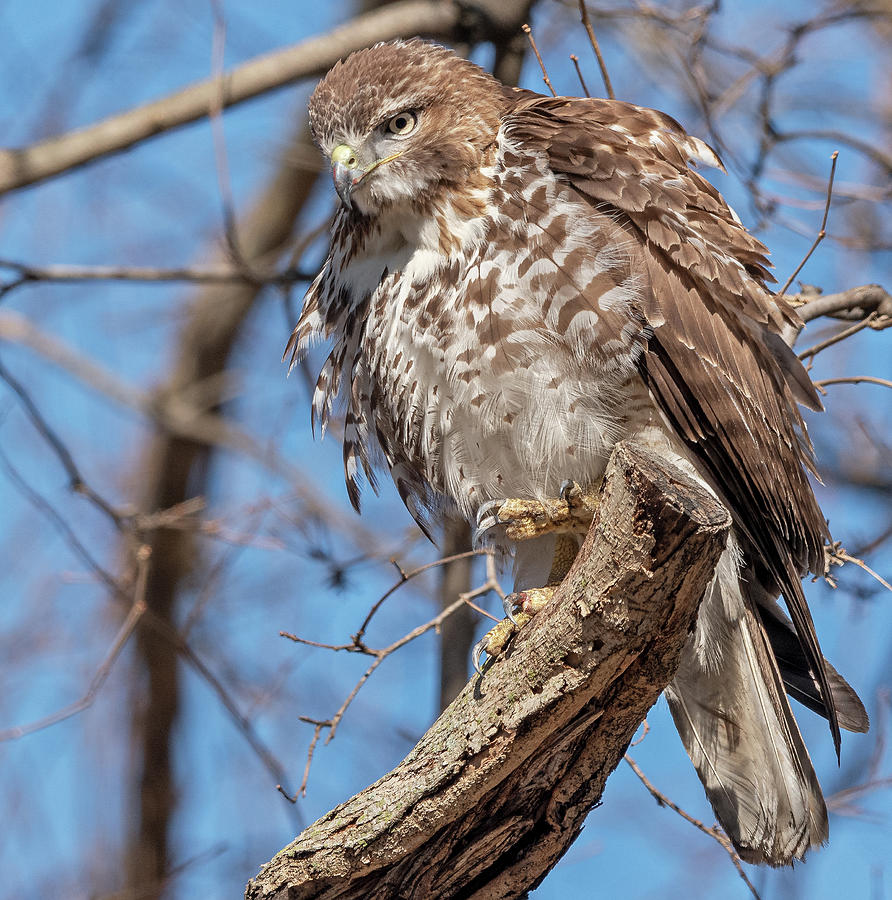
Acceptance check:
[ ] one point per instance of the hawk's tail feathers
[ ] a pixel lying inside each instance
(730, 708)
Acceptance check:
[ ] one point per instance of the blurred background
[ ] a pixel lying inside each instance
(165, 511)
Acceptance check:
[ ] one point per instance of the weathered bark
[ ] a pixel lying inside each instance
(498, 788)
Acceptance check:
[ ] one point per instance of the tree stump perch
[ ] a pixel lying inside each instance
(498, 788)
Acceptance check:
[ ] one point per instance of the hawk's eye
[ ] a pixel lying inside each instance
(403, 123)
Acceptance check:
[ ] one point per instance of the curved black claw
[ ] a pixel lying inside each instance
(478, 651)
(487, 519)
(567, 486)
(508, 602)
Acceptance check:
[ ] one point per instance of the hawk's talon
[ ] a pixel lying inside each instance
(487, 519)
(496, 639)
(483, 527)
(568, 486)
(525, 605)
(509, 601)
(486, 507)
(479, 647)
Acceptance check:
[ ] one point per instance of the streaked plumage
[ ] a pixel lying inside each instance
(519, 282)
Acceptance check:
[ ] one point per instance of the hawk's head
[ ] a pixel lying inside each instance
(402, 119)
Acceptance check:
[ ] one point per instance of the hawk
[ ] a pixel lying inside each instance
(516, 282)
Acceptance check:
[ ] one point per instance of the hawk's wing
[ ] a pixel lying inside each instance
(715, 365)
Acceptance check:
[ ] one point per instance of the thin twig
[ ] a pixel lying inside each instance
(215, 115)
(68, 533)
(491, 584)
(406, 576)
(302, 789)
(874, 542)
(136, 612)
(583, 12)
(645, 730)
(242, 723)
(715, 832)
(352, 647)
(823, 231)
(838, 801)
(76, 481)
(529, 33)
(839, 336)
(381, 655)
(836, 554)
(575, 59)
(853, 379)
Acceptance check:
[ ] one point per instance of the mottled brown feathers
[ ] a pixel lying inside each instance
(708, 363)
(521, 281)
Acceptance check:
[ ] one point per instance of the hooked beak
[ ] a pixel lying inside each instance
(346, 171)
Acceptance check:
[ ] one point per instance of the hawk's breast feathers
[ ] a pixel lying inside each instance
(496, 339)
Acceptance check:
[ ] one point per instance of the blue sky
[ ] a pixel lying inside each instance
(159, 204)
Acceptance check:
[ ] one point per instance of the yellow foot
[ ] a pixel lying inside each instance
(526, 604)
(521, 520)
(526, 519)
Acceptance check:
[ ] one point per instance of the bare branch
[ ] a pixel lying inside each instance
(854, 304)
(835, 554)
(406, 576)
(854, 379)
(211, 274)
(215, 115)
(76, 481)
(575, 60)
(871, 151)
(71, 538)
(815, 349)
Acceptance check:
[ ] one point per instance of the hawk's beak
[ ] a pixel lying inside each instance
(347, 172)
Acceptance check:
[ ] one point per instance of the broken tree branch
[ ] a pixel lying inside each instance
(497, 790)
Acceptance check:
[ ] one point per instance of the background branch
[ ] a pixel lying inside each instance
(21, 167)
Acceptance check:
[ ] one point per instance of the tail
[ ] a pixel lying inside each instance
(731, 710)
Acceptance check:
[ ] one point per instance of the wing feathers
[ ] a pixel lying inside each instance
(735, 722)
(715, 363)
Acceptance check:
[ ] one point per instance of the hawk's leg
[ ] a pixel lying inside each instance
(569, 516)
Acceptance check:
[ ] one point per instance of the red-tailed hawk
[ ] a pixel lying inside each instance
(515, 283)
